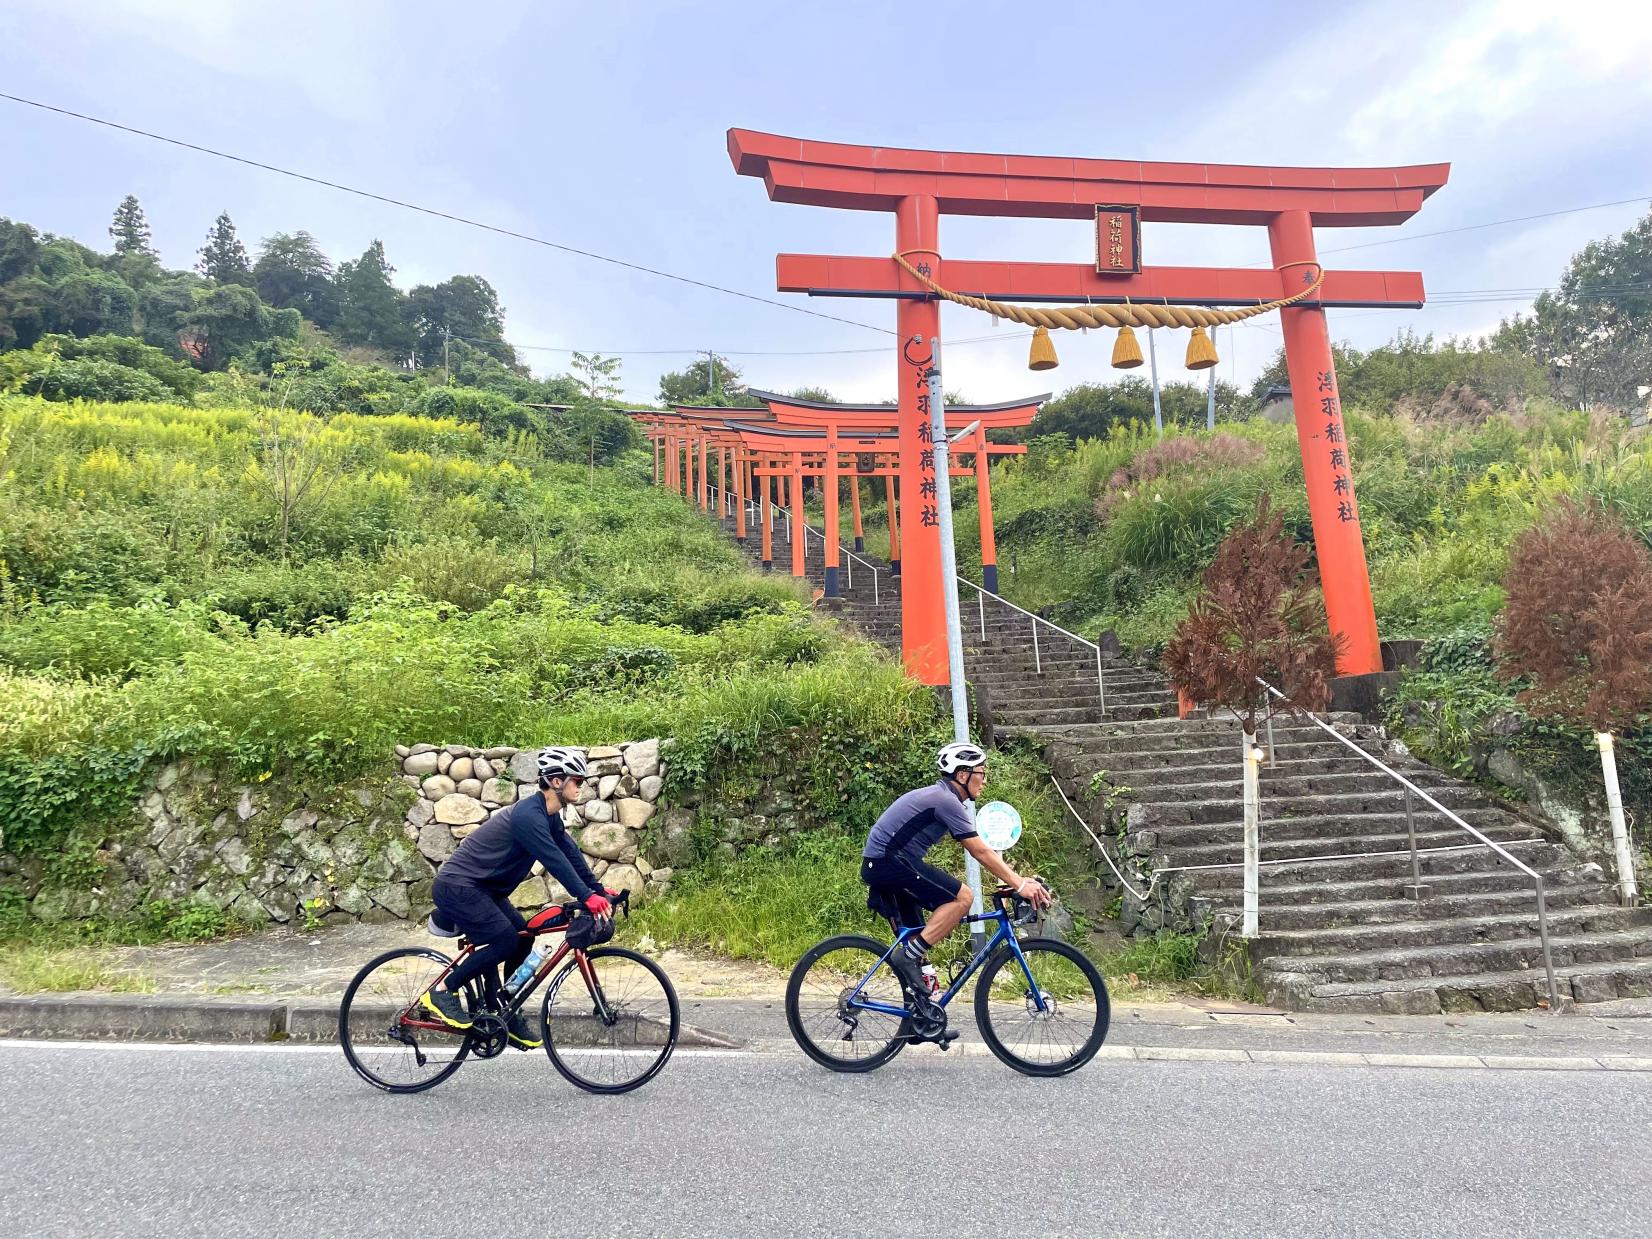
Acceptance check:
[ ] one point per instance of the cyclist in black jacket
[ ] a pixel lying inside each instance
(473, 887)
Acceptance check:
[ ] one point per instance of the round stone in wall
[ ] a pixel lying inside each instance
(437, 786)
(459, 771)
(469, 787)
(457, 810)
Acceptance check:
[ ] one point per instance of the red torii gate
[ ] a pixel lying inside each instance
(918, 186)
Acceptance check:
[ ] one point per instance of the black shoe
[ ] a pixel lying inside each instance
(446, 1007)
(910, 971)
(522, 1034)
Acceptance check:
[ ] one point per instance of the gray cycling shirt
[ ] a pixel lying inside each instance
(915, 823)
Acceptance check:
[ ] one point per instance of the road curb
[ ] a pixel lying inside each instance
(134, 1017)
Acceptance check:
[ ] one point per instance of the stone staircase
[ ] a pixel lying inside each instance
(1339, 932)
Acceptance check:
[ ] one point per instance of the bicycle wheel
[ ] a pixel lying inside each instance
(628, 1048)
(826, 1027)
(385, 1038)
(1059, 1039)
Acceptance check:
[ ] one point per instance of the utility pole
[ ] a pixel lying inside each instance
(711, 373)
(447, 374)
(1153, 360)
(949, 595)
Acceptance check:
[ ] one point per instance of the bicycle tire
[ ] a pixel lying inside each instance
(663, 1030)
(1077, 965)
(347, 1024)
(796, 1018)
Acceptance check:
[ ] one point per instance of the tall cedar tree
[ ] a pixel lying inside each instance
(1578, 622)
(223, 257)
(130, 230)
(1259, 615)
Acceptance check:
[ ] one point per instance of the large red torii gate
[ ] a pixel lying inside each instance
(918, 186)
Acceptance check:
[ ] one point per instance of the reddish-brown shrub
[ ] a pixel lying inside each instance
(1578, 622)
(1259, 615)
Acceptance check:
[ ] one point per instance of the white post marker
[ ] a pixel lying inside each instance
(949, 592)
(1253, 836)
(1614, 810)
(1153, 362)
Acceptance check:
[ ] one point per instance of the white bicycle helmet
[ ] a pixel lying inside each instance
(556, 762)
(960, 756)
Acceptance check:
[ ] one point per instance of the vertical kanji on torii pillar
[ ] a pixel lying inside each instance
(918, 321)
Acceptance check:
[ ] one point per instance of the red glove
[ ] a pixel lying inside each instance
(598, 905)
(612, 893)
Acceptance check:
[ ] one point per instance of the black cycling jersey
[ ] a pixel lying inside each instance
(499, 854)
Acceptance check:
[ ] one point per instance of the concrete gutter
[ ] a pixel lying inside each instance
(144, 1017)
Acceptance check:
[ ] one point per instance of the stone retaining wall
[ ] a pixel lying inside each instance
(266, 852)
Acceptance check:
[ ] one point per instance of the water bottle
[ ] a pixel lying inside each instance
(521, 976)
(932, 981)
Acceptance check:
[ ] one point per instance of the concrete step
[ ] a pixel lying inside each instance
(1280, 785)
(1169, 759)
(1573, 922)
(1503, 880)
(1539, 854)
(1172, 836)
(1464, 959)
(1145, 776)
(1287, 846)
(1280, 915)
(1177, 731)
(1278, 809)
(1058, 715)
(1511, 990)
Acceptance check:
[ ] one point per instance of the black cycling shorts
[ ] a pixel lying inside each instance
(902, 889)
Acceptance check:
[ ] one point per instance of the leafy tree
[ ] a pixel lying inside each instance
(225, 319)
(176, 378)
(1426, 376)
(294, 468)
(373, 312)
(817, 394)
(131, 230)
(1593, 333)
(498, 415)
(223, 257)
(23, 311)
(597, 375)
(1089, 410)
(464, 308)
(695, 386)
(293, 273)
(19, 249)
(89, 303)
(160, 306)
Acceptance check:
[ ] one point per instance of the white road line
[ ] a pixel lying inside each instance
(1114, 1053)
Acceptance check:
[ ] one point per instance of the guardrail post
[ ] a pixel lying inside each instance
(1038, 662)
(1101, 685)
(1273, 762)
(981, 601)
(1416, 891)
(1250, 923)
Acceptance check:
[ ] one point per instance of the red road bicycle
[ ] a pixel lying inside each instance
(609, 1015)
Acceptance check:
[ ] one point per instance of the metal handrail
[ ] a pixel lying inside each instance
(849, 556)
(982, 594)
(1417, 888)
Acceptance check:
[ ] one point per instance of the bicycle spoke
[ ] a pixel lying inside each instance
(1053, 1024)
(827, 1012)
(620, 1041)
(379, 1024)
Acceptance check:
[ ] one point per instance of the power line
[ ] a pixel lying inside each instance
(447, 215)
(1495, 223)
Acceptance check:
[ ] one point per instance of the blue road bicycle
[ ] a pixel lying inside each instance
(1041, 1005)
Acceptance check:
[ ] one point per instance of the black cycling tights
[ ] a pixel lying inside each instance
(492, 925)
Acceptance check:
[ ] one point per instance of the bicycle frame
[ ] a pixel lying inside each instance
(515, 1002)
(1002, 934)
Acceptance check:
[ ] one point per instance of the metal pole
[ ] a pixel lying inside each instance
(1249, 926)
(949, 595)
(1548, 960)
(1101, 685)
(981, 598)
(1416, 891)
(1272, 759)
(1153, 360)
(1038, 662)
(1210, 401)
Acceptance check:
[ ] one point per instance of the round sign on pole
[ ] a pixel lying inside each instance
(999, 825)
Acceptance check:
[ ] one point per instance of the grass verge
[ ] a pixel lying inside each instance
(35, 970)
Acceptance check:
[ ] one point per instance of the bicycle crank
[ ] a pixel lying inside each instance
(487, 1035)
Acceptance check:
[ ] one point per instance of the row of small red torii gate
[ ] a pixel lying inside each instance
(752, 463)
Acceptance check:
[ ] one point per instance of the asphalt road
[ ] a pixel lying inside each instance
(128, 1140)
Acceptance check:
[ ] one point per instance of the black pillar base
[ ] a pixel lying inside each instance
(831, 583)
(894, 567)
(989, 577)
(768, 565)
(860, 545)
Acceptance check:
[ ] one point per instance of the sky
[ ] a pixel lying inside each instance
(604, 127)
